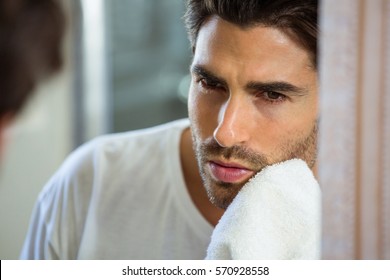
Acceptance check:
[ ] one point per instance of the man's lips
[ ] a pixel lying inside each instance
(229, 172)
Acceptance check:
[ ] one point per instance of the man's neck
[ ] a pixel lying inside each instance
(194, 182)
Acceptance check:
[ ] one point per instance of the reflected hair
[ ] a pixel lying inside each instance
(31, 33)
(296, 18)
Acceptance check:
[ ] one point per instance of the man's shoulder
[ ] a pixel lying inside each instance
(151, 133)
(119, 151)
(137, 141)
(116, 157)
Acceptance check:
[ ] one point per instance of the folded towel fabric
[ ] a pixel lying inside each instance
(276, 215)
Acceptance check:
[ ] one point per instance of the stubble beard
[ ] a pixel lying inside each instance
(221, 194)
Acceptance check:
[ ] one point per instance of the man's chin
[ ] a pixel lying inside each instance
(222, 194)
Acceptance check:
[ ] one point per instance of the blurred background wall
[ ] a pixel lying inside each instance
(354, 148)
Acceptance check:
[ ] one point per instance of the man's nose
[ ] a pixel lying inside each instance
(233, 123)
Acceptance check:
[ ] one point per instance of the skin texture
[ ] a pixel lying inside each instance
(252, 102)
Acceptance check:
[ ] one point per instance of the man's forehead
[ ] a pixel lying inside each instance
(219, 33)
(216, 29)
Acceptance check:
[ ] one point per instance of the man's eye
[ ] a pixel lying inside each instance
(272, 96)
(209, 84)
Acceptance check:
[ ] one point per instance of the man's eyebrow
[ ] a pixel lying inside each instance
(277, 86)
(204, 73)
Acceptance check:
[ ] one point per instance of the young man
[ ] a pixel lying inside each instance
(31, 35)
(158, 193)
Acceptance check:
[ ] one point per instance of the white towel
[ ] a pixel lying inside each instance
(276, 215)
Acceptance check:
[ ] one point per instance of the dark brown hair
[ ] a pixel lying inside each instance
(31, 34)
(296, 18)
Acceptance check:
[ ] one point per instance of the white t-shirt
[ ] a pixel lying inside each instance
(120, 196)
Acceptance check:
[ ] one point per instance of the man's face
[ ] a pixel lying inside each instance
(252, 103)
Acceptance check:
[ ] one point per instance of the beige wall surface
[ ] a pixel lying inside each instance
(354, 146)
